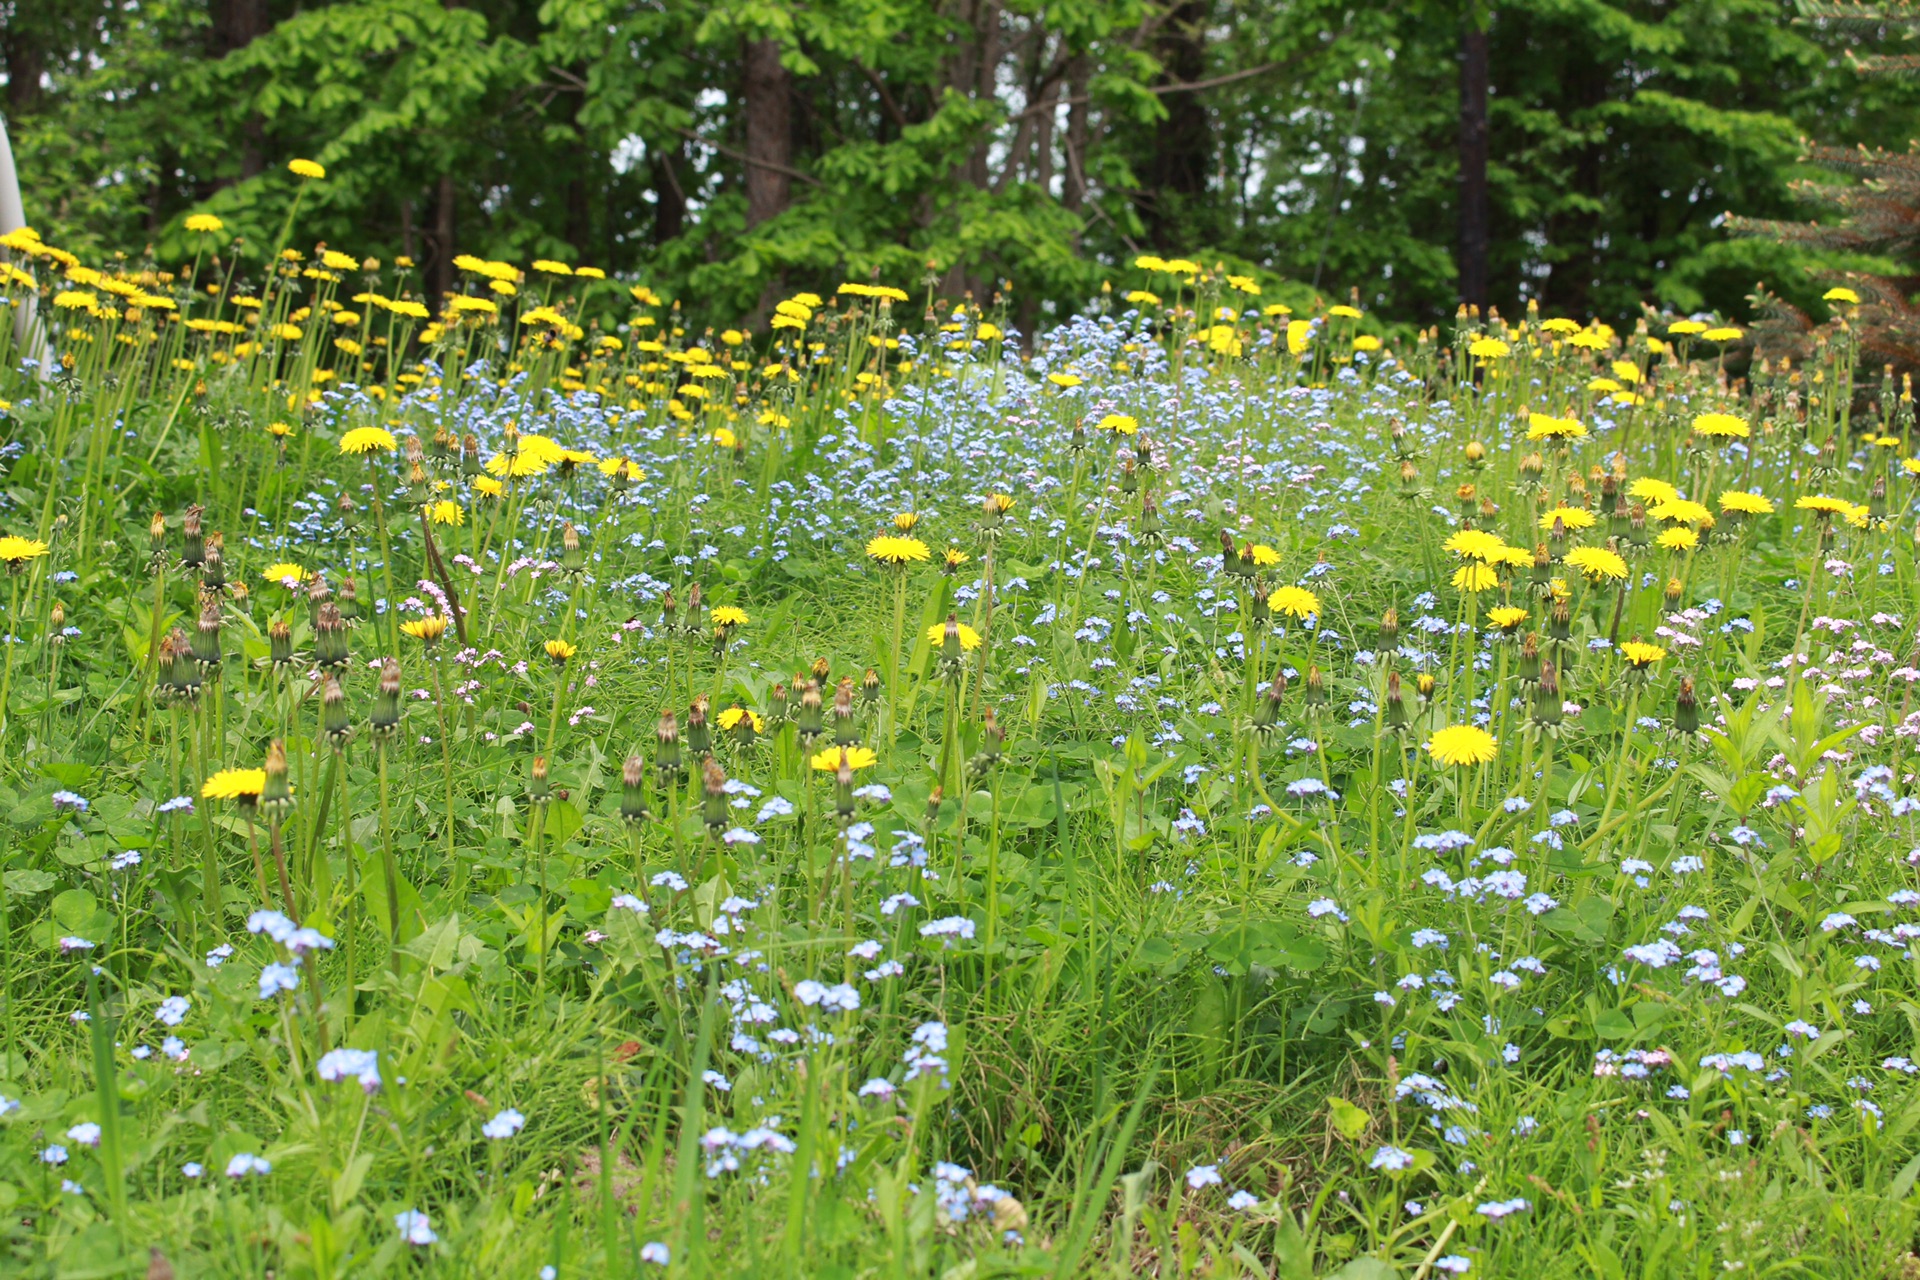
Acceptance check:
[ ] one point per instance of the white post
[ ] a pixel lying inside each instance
(27, 333)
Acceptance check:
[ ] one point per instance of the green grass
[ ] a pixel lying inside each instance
(1161, 898)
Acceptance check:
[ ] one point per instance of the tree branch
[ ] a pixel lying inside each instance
(744, 158)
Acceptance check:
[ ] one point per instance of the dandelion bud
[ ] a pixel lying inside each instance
(668, 607)
(1672, 593)
(157, 535)
(1488, 510)
(666, 760)
(1557, 538)
(330, 638)
(1142, 452)
(510, 441)
(1637, 525)
(1409, 478)
(206, 637)
(193, 545)
(186, 672)
(442, 448)
(1150, 531)
(1266, 708)
(812, 720)
(1078, 442)
(419, 488)
(821, 670)
(1129, 478)
(279, 643)
(699, 737)
(1547, 710)
(386, 701)
(350, 608)
(934, 798)
(714, 780)
(317, 594)
(1316, 692)
(213, 565)
(415, 452)
(693, 624)
(950, 640)
(1560, 622)
(276, 796)
(470, 455)
(1465, 496)
(573, 558)
(1686, 708)
(1230, 555)
(1424, 684)
(1395, 711)
(333, 711)
(538, 789)
(1476, 453)
(57, 618)
(870, 689)
(1530, 658)
(1609, 494)
(1542, 563)
(633, 790)
(349, 514)
(1877, 501)
(1390, 629)
(777, 703)
(844, 732)
(1531, 468)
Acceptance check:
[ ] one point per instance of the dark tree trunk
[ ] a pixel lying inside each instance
(769, 120)
(1073, 185)
(440, 265)
(233, 25)
(670, 202)
(1176, 174)
(26, 62)
(406, 229)
(1474, 214)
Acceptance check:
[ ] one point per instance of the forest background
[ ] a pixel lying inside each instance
(1581, 153)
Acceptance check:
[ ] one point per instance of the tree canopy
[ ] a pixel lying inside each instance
(724, 150)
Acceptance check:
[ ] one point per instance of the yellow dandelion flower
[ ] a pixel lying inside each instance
(1649, 490)
(1462, 744)
(1725, 333)
(969, 638)
(367, 440)
(1294, 602)
(203, 223)
(560, 650)
(1641, 655)
(1679, 538)
(286, 573)
(828, 761)
(1598, 564)
(897, 552)
(729, 616)
(429, 628)
(446, 511)
(1840, 293)
(1488, 349)
(1476, 544)
(1680, 511)
(1121, 424)
(488, 487)
(1821, 504)
(17, 551)
(1721, 426)
(1571, 517)
(1685, 328)
(1747, 504)
(1541, 426)
(1474, 577)
(235, 784)
(733, 717)
(306, 169)
(1506, 617)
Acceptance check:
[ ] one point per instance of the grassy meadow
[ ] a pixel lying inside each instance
(536, 788)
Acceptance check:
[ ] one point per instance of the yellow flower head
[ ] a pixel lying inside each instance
(952, 558)
(1679, 538)
(1462, 744)
(235, 784)
(1294, 602)
(203, 223)
(1541, 426)
(286, 573)
(1476, 544)
(1506, 617)
(560, 650)
(907, 521)
(1652, 491)
(897, 552)
(1263, 555)
(1681, 511)
(429, 628)
(488, 487)
(1474, 577)
(829, 760)
(729, 616)
(1841, 293)
(1570, 517)
(1726, 333)
(1685, 328)
(1122, 424)
(17, 551)
(1748, 504)
(306, 169)
(1598, 564)
(733, 717)
(969, 638)
(1488, 349)
(1641, 655)
(446, 511)
(1721, 426)
(368, 439)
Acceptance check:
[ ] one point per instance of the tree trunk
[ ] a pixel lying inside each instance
(1474, 213)
(1073, 186)
(1175, 175)
(440, 267)
(233, 25)
(769, 120)
(669, 201)
(26, 62)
